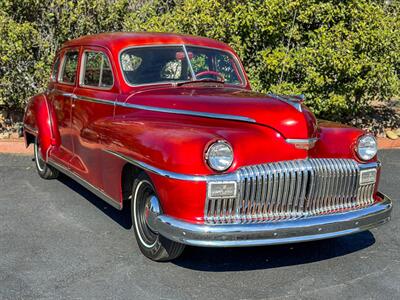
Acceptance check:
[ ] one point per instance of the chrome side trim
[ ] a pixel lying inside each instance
(95, 100)
(158, 171)
(188, 112)
(277, 232)
(160, 109)
(86, 184)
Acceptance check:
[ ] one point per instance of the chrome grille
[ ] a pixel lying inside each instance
(292, 189)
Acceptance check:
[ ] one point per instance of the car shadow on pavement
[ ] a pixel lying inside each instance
(268, 257)
(122, 217)
(244, 258)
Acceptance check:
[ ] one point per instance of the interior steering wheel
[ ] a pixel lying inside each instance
(212, 73)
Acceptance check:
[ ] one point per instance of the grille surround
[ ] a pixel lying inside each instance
(292, 189)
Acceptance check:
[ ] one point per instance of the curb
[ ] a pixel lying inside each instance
(384, 143)
(15, 146)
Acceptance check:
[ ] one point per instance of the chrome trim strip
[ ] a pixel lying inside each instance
(95, 100)
(272, 233)
(190, 63)
(158, 171)
(86, 184)
(188, 112)
(294, 103)
(160, 109)
(302, 141)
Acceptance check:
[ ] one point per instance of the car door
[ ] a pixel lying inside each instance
(61, 97)
(93, 109)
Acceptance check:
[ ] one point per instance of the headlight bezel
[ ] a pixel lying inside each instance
(365, 156)
(209, 152)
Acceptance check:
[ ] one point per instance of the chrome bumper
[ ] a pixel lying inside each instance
(275, 232)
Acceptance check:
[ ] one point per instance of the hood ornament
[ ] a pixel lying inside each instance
(293, 100)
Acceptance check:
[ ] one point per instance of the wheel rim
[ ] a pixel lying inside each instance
(40, 163)
(143, 193)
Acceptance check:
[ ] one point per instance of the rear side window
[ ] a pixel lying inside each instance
(54, 72)
(96, 70)
(70, 64)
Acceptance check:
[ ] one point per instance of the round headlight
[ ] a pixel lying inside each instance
(219, 156)
(367, 147)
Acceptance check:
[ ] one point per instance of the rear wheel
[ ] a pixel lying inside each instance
(151, 244)
(44, 170)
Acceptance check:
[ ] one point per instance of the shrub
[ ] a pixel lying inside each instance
(341, 54)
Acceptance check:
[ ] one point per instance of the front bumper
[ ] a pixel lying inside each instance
(276, 232)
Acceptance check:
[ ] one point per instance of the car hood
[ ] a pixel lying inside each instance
(263, 109)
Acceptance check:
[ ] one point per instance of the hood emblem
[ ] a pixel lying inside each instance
(304, 144)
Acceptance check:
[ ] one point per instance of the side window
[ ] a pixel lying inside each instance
(70, 64)
(96, 70)
(54, 72)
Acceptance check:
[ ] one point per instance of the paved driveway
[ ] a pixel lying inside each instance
(57, 240)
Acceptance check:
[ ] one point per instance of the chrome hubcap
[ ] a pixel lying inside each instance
(40, 163)
(144, 210)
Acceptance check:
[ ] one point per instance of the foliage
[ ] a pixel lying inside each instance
(341, 54)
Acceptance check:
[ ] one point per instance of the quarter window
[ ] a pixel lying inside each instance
(96, 70)
(70, 64)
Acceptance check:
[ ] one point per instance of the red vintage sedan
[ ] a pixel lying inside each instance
(168, 124)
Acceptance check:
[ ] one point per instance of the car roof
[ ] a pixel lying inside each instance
(117, 41)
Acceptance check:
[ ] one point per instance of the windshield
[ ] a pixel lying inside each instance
(174, 64)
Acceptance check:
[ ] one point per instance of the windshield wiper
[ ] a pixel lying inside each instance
(205, 80)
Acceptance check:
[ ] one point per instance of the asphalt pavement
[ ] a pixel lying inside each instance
(59, 241)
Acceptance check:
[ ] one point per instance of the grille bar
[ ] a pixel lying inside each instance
(292, 189)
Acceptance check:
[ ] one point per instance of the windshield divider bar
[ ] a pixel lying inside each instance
(189, 63)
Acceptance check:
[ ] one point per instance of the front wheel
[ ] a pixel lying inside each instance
(151, 244)
(44, 170)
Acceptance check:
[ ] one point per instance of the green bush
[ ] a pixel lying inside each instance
(341, 54)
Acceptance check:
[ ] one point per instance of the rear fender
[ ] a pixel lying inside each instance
(40, 120)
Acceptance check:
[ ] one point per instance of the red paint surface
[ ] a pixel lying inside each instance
(77, 132)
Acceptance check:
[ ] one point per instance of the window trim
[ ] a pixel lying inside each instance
(59, 60)
(62, 66)
(244, 84)
(83, 69)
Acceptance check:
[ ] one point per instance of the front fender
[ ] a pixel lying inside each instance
(337, 141)
(178, 143)
(40, 120)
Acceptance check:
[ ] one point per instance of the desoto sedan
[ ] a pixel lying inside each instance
(169, 125)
